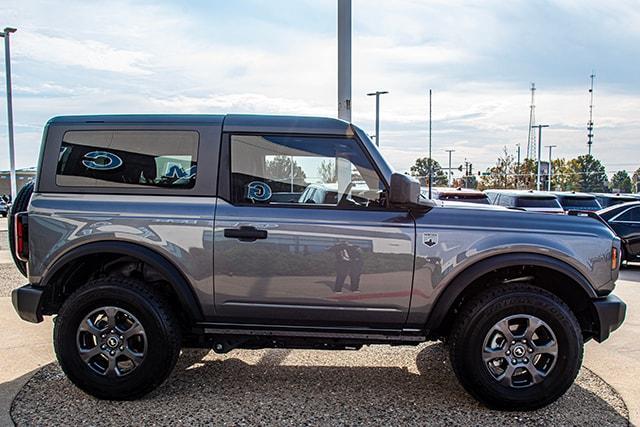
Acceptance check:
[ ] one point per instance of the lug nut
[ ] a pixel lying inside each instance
(508, 353)
(530, 350)
(514, 361)
(103, 346)
(121, 348)
(524, 341)
(121, 337)
(525, 360)
(113, 353)
(513, 342)
(103, 336)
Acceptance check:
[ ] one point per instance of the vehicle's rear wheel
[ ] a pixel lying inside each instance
(516, 347)
(20, 204)
(116, 338)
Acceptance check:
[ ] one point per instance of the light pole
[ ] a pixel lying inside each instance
(550, 167)
(518, 166)
(344, 60)
(377, 95)
(12, 156)
(449, 173)
(539, 183)
(430, 159)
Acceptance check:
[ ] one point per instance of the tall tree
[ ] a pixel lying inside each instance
(279, 169)
(621, 182)
(502, 174)
(561, 178)
(525, 174)
(635, 180)
(420, 169)
(327, 171)
(587, 174)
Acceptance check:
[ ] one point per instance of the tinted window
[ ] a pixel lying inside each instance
(580, 203)
(632, 215)
(462, 197)
(310, 170)
(537, 202)
(128, 159)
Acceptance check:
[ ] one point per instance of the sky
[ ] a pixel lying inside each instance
(280, 57)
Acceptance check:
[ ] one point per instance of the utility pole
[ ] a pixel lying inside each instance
(344, 60)
(449, 170)
(590, 123)
(539, 179)
(377, 95)
(430, 159)
(550, 166)
(12, 155)
(518, 165)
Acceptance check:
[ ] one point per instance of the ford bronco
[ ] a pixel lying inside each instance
(145, 234)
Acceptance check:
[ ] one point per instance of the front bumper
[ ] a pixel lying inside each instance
(27, 302)
(611, 311)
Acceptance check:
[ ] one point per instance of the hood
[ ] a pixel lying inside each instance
(484, 217)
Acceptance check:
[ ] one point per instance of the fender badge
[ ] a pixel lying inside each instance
(430, 239)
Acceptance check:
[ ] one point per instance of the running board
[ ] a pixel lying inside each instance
(413, 336)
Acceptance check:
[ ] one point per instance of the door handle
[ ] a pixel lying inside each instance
(245, 233)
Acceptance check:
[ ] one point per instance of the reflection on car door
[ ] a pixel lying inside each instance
(346, 261)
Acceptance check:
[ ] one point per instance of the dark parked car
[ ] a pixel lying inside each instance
(466, 195)
(534, 201)
(625, 221)
(612, 199)
(572, 201)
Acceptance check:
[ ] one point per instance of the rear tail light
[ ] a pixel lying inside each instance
(614, 258)
(22, 236)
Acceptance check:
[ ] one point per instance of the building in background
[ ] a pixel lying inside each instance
(22, 177)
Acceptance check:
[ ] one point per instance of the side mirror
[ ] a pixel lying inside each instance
(404, 190)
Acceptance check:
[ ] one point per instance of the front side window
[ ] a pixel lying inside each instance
(276, 170)
(121, 158)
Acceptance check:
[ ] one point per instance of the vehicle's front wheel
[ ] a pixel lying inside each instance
(516, 347)
(116, 338)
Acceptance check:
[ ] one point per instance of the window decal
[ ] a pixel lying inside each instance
(102, 160)
(258, 191)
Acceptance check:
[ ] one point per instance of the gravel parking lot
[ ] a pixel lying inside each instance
(373, 386)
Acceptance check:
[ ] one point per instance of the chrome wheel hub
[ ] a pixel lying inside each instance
(111, 341)
(520, 351)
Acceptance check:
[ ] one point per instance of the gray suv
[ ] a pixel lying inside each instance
(146, 234)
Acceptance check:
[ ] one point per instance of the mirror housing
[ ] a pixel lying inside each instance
(404, 190)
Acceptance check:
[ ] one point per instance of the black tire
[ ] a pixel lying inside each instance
(20, 204)
(161, 331)
(476, 321)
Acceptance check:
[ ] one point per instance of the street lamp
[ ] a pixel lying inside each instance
(550, 167)
(377, 95)
(539, 183)
(449, 173)
(7, 61)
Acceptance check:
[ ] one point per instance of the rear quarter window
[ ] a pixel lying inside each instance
(128, 159)
(580, 203)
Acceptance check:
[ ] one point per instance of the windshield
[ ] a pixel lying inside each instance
(580, 203)
(537, 202)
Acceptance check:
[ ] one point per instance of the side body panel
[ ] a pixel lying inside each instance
(175, 223)
(450, 240)
(290, 277)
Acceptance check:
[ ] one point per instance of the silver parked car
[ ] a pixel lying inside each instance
(146, 234)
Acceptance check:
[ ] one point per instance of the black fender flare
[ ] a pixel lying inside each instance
(180, 285)
(456, 287)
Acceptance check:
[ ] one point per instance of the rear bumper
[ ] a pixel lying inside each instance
(26, 301)
(611, 311)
